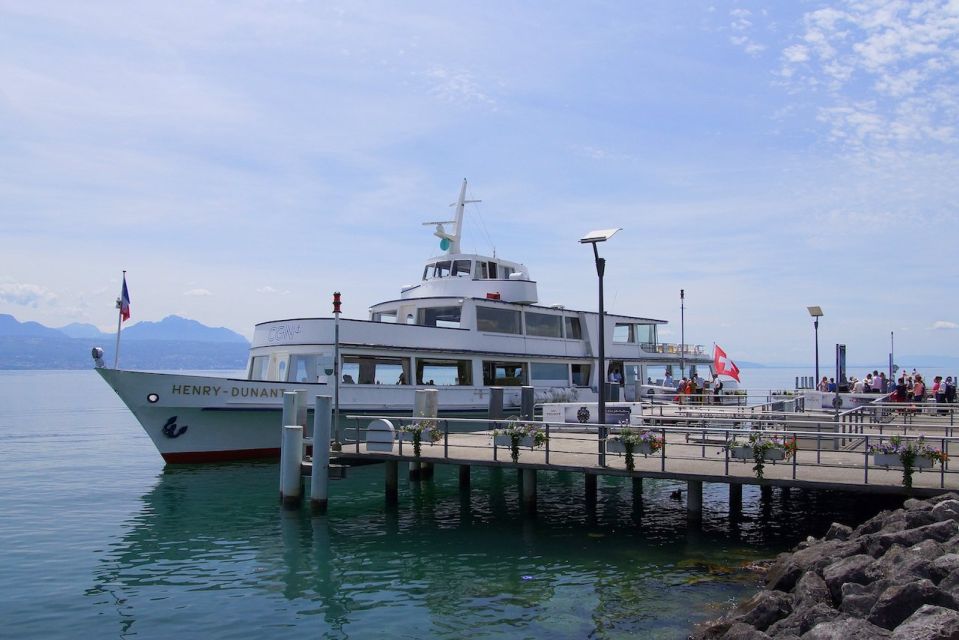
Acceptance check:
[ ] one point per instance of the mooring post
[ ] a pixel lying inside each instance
(320, 474)
(694, 499)
(526, 403)
(637, 488)
(464, 477)
(496, 403)
(766, 492)
(392, 482)
(291, 455)
(529, 490)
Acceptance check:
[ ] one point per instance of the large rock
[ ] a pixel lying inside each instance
(790, 567)
(946, 510)
(929, 622)
(802, 620)
(884, 520)
(943, 566)
(763, 609)
(859, 599)
(860, 569)
(811, 590)
(876, 544)
(899, 601)
(838, 531)
(743, 631)
(846, 629)
(900, 564)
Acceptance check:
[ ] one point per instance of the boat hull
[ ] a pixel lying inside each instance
(194, 419)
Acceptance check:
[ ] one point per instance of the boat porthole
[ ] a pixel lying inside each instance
(152, 398)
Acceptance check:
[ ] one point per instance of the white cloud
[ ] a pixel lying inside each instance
(27, 295)
(199, 293)
(944, 325)
(456, 87)
(272, 291)
(886, 71)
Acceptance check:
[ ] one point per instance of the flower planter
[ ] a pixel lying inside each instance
(406, 436)
(893, 460)
(746, 453)
(507, 441)
(615, 445)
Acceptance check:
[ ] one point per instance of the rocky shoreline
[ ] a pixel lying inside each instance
(894, 576)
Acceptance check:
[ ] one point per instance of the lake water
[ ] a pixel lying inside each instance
(99, 539)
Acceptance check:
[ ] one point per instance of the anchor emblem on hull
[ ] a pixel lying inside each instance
(170, 429)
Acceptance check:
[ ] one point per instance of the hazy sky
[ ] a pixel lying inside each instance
(243, 160)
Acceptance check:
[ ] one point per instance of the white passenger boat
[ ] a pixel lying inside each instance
(471, 323)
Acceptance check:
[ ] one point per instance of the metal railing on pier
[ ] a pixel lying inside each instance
(823, 452)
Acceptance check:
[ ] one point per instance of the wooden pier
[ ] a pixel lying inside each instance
(829, 454)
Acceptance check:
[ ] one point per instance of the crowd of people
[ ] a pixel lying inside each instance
(909, 387)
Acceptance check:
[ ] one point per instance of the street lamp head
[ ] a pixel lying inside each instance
(600, 235)
(815, 312)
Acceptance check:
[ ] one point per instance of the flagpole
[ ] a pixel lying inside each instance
(116, 355)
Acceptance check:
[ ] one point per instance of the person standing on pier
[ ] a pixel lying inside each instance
(824, 384)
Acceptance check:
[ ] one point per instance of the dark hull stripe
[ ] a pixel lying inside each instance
(191, 457)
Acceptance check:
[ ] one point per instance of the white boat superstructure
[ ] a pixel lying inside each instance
(471, 323)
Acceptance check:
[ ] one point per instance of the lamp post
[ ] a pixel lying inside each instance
(892, 357)
(594, 238)
(682, 333)
(816, 313)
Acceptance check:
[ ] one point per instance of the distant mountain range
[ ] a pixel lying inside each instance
(172, 343)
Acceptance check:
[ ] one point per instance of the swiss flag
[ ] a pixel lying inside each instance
(723, 365)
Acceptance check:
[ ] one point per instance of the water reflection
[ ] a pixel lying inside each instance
(444, 562)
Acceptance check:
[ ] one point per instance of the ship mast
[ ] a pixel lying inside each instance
(450, 242)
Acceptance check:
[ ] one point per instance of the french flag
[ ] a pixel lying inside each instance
(124, 301)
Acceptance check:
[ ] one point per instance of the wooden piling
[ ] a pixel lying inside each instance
(735, 499)
(320, 473)
(392, 482)
(464, 477)
(529, 490)
(694, 499)
(590, 483)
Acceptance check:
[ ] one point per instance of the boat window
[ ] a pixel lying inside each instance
(486, 270)
(437, 270)
(657, 373)
(443, 372)
(374, 370)
(259, 367)
(385, 316)
(505, 272)
(646, 333)
(461, 268)
(573, 329)
(550, 372)
(580, 375)
(448, 317)
(504, 374)
(303, 369)
(631, 374)
(624, 333)
(497, 320)
(543, 324)
(281, 369)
